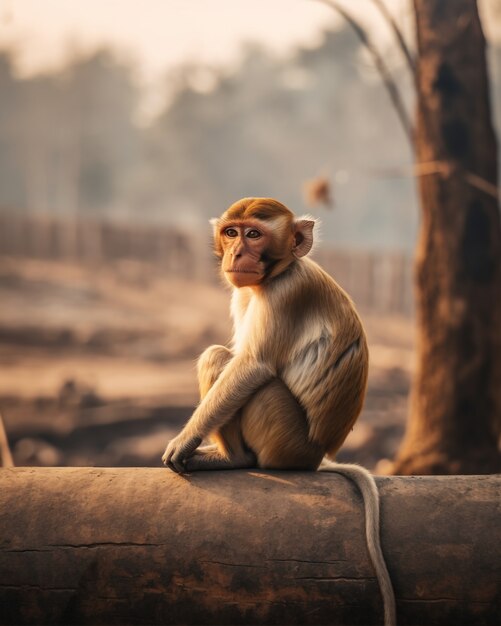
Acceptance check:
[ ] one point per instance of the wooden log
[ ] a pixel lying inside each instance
(146, 546)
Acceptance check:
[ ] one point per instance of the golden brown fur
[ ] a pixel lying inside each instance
(292, 384)
(304, 326)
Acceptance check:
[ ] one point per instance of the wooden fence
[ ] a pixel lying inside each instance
(377, 281)
(380, 282)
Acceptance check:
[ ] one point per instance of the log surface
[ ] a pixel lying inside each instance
(146, 546)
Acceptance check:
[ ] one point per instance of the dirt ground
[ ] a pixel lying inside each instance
(97, 364)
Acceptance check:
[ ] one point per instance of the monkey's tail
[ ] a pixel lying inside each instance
(370, 495)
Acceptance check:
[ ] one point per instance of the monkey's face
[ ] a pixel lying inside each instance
(258, 238)
(245, 259)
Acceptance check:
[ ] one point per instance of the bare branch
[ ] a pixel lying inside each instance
(383, 71)
(383, 9)
(5, 455)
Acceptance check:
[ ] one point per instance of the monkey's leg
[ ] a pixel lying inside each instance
(216, 460)
(209, 367)
(229, 451)
(275, 428)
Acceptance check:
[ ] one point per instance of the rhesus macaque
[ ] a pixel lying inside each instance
(289, 389)
(291, 386)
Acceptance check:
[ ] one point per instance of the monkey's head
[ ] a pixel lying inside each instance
(258, 238)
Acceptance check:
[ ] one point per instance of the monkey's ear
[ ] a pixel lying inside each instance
(214, 222)
(303, 236)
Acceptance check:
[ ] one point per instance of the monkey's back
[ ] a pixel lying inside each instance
(329, 366)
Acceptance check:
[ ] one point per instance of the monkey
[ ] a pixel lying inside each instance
(290, 387)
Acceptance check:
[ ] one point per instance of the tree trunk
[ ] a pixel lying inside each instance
(455, 410)
(146, 546)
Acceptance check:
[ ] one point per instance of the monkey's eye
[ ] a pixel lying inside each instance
(253, 234)
(231, 232)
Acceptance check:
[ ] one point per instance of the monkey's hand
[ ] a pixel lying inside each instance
(179, 450)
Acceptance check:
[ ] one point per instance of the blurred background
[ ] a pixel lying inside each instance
(125, 126)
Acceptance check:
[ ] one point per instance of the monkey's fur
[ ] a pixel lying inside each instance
(291, 386)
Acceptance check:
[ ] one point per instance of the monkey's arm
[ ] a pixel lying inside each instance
(236, 384)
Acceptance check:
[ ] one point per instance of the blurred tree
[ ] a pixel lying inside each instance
(68, 139)
(264, 128)
(455, 413)
(11, 179)
(101, 140)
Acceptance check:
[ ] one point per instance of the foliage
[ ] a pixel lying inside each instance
(70, 140)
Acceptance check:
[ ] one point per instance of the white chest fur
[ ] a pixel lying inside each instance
(244, 310)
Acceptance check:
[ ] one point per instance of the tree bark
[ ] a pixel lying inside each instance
(455, 411)
(146, 546)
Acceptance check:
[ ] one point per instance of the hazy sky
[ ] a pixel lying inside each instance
(161, 34)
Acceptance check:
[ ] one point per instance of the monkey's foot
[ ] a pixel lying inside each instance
(209, 459)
